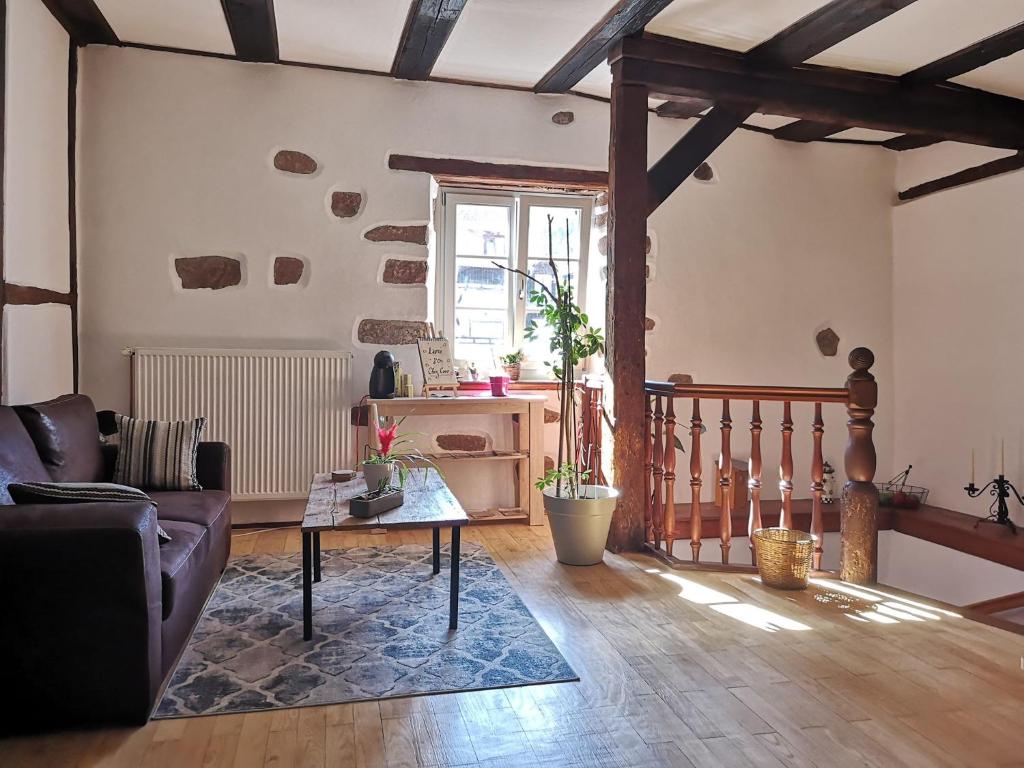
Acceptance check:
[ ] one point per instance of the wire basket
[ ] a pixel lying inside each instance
(784, 557)
(896, 493)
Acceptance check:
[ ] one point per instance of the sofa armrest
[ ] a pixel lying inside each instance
(213, 466)
(82, 600)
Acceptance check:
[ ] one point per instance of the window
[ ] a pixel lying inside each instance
(484, 309)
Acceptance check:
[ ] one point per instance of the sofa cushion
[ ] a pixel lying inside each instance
(198, 507)
(158, 455)
(19, 462)
(182, 560)
(66, 436)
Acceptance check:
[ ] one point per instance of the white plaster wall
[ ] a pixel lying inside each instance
(37, 344)
(36, 168)
(957, 282)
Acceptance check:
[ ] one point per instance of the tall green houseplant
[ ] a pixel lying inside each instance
(573, 340)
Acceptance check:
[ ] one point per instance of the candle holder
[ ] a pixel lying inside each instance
(1001, 488)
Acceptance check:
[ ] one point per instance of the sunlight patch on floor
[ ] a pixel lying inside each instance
(867, 603)
(727, 605)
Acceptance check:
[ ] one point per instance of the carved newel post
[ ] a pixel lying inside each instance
(858, 559)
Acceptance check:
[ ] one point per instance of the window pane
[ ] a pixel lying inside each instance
(482, 230)
(543, 273)
(538, 235)
(481, 308)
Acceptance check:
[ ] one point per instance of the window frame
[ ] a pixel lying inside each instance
(519, 203)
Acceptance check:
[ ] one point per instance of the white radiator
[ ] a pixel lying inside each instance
(284, 413)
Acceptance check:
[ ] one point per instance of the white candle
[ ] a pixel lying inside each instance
(1002, 456)
(972, 466)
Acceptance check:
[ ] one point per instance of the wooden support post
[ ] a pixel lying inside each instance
(817, 486)
(858, 558)
(695, 481)
(627, 302)
(725, 481)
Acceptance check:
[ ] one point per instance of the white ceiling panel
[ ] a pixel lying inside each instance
(360, 34)
(515, 42)
(866, 134)
(197, 25)
(768, 121)
(735, 24)
(598, 82)
(921, 33)
(1002, 76)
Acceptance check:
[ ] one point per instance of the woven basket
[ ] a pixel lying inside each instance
(783, 557)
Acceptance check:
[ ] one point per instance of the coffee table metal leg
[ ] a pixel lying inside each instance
(307, 586)
(453, 605)
(316, 555)
(437, 549)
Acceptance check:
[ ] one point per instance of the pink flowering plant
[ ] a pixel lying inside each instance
(396, 448)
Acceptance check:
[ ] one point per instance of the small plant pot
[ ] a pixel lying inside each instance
(360, 506)
(579, 527)
(513, 371)
(375, 474)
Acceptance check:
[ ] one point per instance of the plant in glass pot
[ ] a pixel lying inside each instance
(381, 463)
(579, 511)
(512, 364)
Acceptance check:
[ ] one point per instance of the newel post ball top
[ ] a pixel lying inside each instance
(859, 509)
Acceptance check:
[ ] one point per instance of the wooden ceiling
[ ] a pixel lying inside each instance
(903, 73)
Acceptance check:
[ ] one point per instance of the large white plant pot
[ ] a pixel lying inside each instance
(374, 473)
(580, 526)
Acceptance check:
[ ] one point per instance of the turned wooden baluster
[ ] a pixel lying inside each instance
(817, 486)
(695, 481)
(858, 516)
(786, 468)
(725, 480)
(659, 471)
(754, 483)
(648, 471)
(670, 474)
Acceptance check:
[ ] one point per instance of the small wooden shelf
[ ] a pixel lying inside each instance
(485, 455)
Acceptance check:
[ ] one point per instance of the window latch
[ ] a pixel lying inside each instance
(522, 288)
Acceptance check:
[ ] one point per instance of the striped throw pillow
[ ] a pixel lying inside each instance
(79, 493)
(158, 455)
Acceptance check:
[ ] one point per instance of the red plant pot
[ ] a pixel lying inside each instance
(499, 386)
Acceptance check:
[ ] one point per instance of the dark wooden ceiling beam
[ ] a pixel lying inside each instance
(822, 94)
(821, 29)
(625, 18)
(806, 130)
(426, 31)
(676, 165)
(994, 47)
(909, 141)
(83, 21)
(459, 170)
(683, 107)
(253, 28)
(966, 176)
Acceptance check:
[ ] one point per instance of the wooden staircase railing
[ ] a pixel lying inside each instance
(664, 525)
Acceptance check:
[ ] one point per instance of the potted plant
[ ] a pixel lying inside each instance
(381, 463)
(512, 364)
(579, 512)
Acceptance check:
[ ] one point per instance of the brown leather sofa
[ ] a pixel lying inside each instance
(95, 611)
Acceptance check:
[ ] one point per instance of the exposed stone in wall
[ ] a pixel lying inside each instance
(647, 272)
(562, 118)
(405, 272)
(214, 272)
(461, 442)
(681, 378)
(345, 205)
(649, 323)
(288, 270)
(551, 416)
(704, 172)
(549, 463)
(602, 199)
(398, 233)
(293, 161)
(828, 342)
(390, 332)
(602, 245)
(601, 219)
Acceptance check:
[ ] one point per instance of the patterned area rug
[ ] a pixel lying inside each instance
(380, 630)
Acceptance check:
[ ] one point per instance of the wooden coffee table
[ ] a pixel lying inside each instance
(428, 504)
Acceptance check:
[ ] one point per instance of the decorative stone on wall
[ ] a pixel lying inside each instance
(345, 205)
(549, 463)
(390, 332)
(704, 173)
(397, 233)
(405, 272)
(602, 245)
(461, 442)
(828, 342)
(601, 199)
(551, 416)
(649, 323)
(213, 272)
(293, 161)
(601, 219)
(562, 118)
(288, 270)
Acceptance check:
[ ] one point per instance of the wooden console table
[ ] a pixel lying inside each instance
(527, 412)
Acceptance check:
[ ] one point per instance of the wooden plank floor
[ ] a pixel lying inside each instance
(677, 669)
